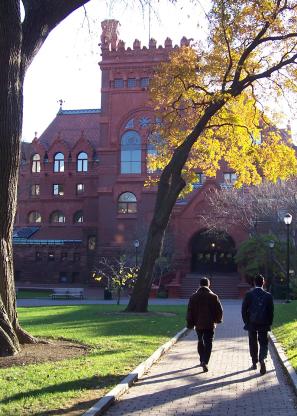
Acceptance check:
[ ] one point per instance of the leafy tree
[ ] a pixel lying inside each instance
(211, 103)
(255, 256)
(117, 272)
(252, 255)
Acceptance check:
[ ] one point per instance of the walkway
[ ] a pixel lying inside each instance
(176, 386)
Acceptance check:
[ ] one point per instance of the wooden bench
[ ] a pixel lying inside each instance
(68, 293)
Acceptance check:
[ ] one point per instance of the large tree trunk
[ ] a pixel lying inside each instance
(10, 130)
(19, 42)
(168, 190)
(170, 185)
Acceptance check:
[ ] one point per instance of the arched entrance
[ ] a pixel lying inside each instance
(212, 252)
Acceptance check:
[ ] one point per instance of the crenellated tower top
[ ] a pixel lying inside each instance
(127, 71)
(112, 45)
(109, 34)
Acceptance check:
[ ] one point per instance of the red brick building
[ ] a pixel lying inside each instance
(81, 188)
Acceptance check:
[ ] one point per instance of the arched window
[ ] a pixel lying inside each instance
(127, 203)
(151, 154)
(34, 216)
(36, 163)
(57, 216)
(78, 217)
(153, 142)
(59, 162)
(131, 152)
(82, 162)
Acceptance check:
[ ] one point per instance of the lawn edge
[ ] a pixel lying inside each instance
(290, 371)
(106, 401)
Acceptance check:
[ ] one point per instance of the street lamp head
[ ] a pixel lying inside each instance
(271, 243)
(287, 219)
(136, 243)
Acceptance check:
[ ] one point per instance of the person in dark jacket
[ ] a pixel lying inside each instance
(257, 314)
(204, 312)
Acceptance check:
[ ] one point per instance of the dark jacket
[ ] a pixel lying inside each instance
(204, 309)
(257, 310)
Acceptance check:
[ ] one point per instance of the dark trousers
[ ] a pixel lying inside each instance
(260, 337)
(205, 338)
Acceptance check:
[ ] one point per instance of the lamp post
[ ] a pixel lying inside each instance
(287, 221)
(271, 244)
(136, 245)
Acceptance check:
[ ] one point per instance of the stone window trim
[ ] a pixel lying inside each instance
(34, 217)
(35, 190)
(119, 83)
(36, 163)
(57, 217)
(131, 82)
(131, 153)
(78, 217)
(92, 242)
(58, 189)
(82, 162)
(80, 188)
(229, 178)
(127, 204)
(59, 163)
(201, 179)
(144, 82)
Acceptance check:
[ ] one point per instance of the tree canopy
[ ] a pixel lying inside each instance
(249, 58)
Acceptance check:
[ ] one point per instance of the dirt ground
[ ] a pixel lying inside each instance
(55, 350)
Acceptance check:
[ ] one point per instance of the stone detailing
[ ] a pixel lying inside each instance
(112, 44)
(110, 34)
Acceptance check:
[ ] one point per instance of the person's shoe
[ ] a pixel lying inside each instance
(262, 367)
(254, 366)
(205, 368)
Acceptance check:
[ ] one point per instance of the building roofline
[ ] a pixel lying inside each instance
(81, 111)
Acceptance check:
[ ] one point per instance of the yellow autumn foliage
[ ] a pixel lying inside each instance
(248, 41)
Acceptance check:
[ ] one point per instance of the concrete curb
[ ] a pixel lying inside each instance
(106, 401)
(284, 361)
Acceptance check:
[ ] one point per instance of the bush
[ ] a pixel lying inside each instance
(162, 294)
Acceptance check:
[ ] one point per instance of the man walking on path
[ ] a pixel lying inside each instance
(204, 312)
(257, 314)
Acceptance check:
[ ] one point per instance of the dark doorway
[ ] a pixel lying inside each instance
(212, 253)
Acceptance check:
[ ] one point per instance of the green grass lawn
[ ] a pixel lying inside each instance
(31, 294)
(119, 342)
(285, 329)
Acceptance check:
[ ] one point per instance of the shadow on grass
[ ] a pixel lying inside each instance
(89, 383)
(80, 407)
(77, 409)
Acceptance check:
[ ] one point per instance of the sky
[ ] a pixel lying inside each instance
(67, 68)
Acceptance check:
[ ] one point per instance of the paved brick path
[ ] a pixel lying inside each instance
(176, 386)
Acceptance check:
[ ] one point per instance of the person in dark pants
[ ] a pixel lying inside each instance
(204, 312)
(257, 314)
